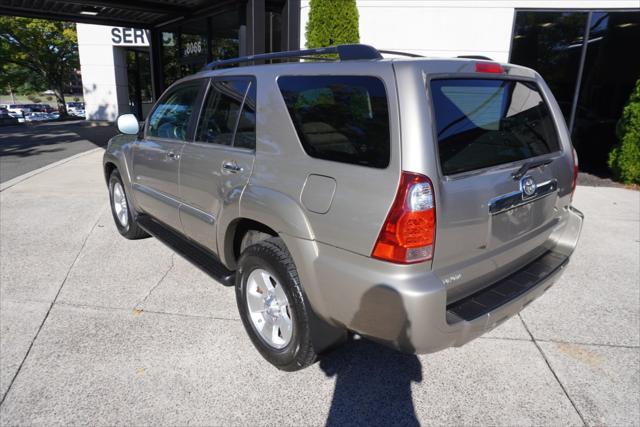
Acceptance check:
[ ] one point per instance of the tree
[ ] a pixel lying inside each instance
(37, 54)
(332, 22)
(624, 159)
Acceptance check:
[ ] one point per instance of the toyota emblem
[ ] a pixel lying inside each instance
(528, 186)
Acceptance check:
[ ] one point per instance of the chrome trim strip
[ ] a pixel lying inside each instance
(197, 213)
(157, 195)
(518, 198)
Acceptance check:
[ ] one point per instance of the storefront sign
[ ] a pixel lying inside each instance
(129, 36)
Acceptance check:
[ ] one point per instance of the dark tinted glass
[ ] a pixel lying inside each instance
(220, 114)
(611, 69)
(551, 44)
(246, 131)
(340, 118)
(481, 123)
(170, 119)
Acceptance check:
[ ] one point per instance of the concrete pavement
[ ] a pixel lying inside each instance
(96, 329)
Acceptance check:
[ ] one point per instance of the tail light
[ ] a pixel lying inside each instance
(408, 234)
(574, 182)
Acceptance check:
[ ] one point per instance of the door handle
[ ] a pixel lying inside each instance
(232, 167)
(172, 156)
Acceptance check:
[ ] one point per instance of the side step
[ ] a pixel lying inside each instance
(192, 252)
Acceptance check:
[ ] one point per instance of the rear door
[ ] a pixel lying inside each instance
(216, 165)
(500, 160)
(156, 157)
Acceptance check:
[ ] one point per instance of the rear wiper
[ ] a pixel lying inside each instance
(529, 165)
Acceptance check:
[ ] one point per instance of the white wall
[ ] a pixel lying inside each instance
(104, 69)
(449, 28)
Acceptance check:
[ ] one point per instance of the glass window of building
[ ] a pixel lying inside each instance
(589, 61)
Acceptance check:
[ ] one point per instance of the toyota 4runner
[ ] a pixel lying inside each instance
(417, 202)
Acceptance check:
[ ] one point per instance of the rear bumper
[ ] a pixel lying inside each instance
(406, 308)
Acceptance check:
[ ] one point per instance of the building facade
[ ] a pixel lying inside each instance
(586, 50)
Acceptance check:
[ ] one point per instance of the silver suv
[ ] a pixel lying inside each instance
(416, 202)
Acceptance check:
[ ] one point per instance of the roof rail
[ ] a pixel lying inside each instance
(395, 52)
(475, 57)
(346, 52)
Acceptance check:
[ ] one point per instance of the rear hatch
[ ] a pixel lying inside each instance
(500, 159)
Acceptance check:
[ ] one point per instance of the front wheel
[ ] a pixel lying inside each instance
(272, 306)
(121, 209)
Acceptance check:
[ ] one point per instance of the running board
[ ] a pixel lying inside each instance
(205, 260)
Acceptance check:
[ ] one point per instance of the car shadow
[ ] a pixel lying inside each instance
(373, 381)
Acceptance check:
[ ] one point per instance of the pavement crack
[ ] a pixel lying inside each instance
(53, 302)
(544, 357)
(139, 306)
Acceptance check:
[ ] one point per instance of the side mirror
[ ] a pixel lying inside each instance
(128, 124)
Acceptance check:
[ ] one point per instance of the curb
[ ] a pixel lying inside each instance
(17, 180)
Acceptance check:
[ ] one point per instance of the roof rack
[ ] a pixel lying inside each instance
(346, 52)
(475, 57)
(395, 52)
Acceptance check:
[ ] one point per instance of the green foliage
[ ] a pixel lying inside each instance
(332, 22)
(36, 54)
(624, 159)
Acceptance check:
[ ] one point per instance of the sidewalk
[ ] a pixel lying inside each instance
(96, 329)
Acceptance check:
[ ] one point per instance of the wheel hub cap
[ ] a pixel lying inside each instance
(269, 308)
(120, 204)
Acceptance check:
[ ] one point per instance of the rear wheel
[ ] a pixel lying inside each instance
(121, 209)
(272, 306)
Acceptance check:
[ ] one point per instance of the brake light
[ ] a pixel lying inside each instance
(574, 182)
(489, 67)
(408, 234)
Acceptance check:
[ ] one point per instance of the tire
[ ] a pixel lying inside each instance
(271, 256)
(121, 209)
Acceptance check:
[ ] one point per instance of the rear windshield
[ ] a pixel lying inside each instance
(340, 118)
(487, 122)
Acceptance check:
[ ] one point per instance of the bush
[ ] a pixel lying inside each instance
(332, 22)
(624, 159)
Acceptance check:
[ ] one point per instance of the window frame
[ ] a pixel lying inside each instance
(473, 76)
(299, 139)
(196, 110)
(209, 86)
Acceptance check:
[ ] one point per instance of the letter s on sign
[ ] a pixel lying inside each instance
(115, 35)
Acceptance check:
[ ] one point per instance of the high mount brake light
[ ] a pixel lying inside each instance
(408, 233)
(489, 67)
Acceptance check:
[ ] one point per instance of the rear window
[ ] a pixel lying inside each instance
(487, 122)
(340, 118)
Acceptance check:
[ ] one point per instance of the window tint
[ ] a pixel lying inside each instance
(482, 123)
(171, 117)
(220, 114)
(340, 118)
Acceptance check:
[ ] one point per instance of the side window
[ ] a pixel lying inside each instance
(221, 110)
(170, 119)
(340, 118)
(246, 132)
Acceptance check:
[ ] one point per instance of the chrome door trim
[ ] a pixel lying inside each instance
(157, 195)
(197, 213)
(518, 198)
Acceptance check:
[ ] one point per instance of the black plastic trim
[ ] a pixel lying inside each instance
(507, 289)
(202, 258)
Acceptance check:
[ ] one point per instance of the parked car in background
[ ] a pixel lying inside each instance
(417, 202)
(6, 118)
(75, 109)
(18, 111)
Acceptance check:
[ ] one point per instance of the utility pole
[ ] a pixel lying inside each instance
(13, 98)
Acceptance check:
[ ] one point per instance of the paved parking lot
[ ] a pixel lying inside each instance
(99, 330)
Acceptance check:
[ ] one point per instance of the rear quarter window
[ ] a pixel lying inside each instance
(488, 122)
(340, 118)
